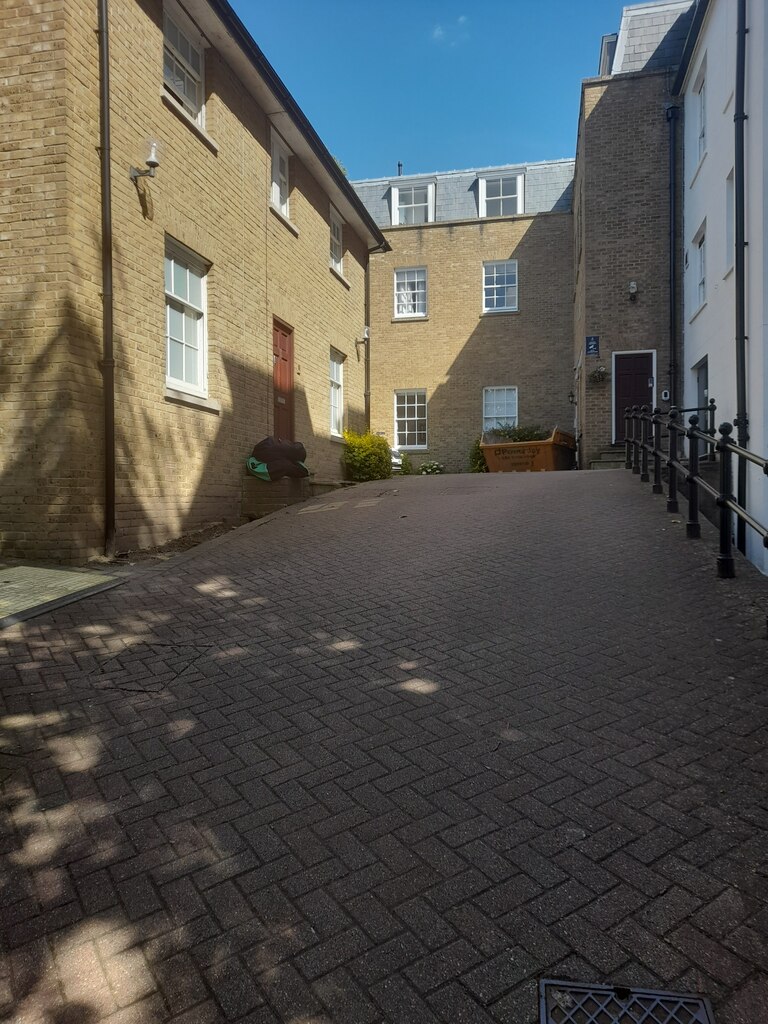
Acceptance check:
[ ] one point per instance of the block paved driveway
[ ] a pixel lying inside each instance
(392, 756)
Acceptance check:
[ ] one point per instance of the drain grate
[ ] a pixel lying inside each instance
(569, 1002)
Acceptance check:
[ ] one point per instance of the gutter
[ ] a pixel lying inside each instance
(267, 73)
(108, 360)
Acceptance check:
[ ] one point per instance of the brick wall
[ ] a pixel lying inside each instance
(457, 351)
(621, 207)
(179, 466)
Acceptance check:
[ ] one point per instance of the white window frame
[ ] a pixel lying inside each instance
(419, 315)
(395, 200)
(418, 393)
(700, 94)
(280, 190)
(482, 189)
(337, 242)
(730, 222)
(180, 256)
(500, 309)
(172, 13)
(700, 241)
(492, 391)
(336, 392)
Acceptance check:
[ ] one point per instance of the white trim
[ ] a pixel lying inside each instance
(183, 23)
(278, 149)
(173, 104)
(336, 221)
(501, 387)
(482, 180)
(336, 358)
(395, 201)
(177, 251)
(629, 352)
(500, 309)
(410, 316)
(411, 447)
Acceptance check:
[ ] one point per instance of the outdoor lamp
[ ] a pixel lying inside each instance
(152, 162)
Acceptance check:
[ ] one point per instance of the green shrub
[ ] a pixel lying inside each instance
(506, 432)
(431, 468)
(407, 466)
(477, 463)
(366, 456)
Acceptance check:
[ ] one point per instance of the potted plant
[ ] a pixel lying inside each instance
(512, 449)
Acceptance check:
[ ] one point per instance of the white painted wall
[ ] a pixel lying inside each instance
(709, 328)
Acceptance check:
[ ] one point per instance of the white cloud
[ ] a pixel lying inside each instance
(438, 33)
(453, 34)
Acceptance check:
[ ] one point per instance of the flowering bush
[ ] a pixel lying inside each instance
(431, 468)
(366, 456)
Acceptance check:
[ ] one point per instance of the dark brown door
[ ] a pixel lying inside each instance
(282, 357)
(633, 385)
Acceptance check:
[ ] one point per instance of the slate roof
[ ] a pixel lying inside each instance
(652, 36)
(548, 186)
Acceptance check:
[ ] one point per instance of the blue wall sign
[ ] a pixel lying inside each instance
(593, 344)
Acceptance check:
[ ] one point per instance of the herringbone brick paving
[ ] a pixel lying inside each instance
(393, 761)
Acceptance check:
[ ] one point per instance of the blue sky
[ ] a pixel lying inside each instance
(439, 85)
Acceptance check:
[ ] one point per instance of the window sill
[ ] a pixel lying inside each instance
(182, 398)
(340, 276)
(338, 438)
(728, 272)
(406, 450)
(703, 306)
(173, 104)
(283, 219)
(409, 319)
(499, 312)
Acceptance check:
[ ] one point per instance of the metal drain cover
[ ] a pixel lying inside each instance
(570, 1002)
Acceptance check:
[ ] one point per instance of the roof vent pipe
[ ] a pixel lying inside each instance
(399, 168)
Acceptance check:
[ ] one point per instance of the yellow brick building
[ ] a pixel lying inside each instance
(239, 262)
(471, 310)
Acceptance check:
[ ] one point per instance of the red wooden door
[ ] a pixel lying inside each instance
(282, 357)
(633, 385)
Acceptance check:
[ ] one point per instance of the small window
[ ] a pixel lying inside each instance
(730, 209)
(701, 269)
(337, 242)
(183, 63)
(700, 101)
(337, 393)
(281, 191)
(500, 286)
(413, 204)
(411, 292)
(185, 310)
(501, 196)
(411, 419)
(499, 407)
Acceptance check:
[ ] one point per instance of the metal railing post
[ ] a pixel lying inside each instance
(658, 487)
(726, 569)
(693, 526)
(627, 439)
(644, 424)
(672, 505)
(711, 410)
(635, 442)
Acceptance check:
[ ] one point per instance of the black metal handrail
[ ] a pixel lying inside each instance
(643, 441)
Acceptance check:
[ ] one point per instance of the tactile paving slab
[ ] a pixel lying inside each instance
(26, 591)
(568, 1002)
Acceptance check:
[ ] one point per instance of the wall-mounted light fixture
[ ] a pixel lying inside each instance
(633, 291)
(152, 162)
(571, 396)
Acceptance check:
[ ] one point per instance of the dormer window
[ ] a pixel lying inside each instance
(500, 195)
(413, 204)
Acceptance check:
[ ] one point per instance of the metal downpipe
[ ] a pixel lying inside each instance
(739, 117)
(108, 361)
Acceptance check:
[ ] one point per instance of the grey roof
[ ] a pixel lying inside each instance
(548, 186)
(652, 36)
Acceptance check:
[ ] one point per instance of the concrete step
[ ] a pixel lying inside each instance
(606, 464)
